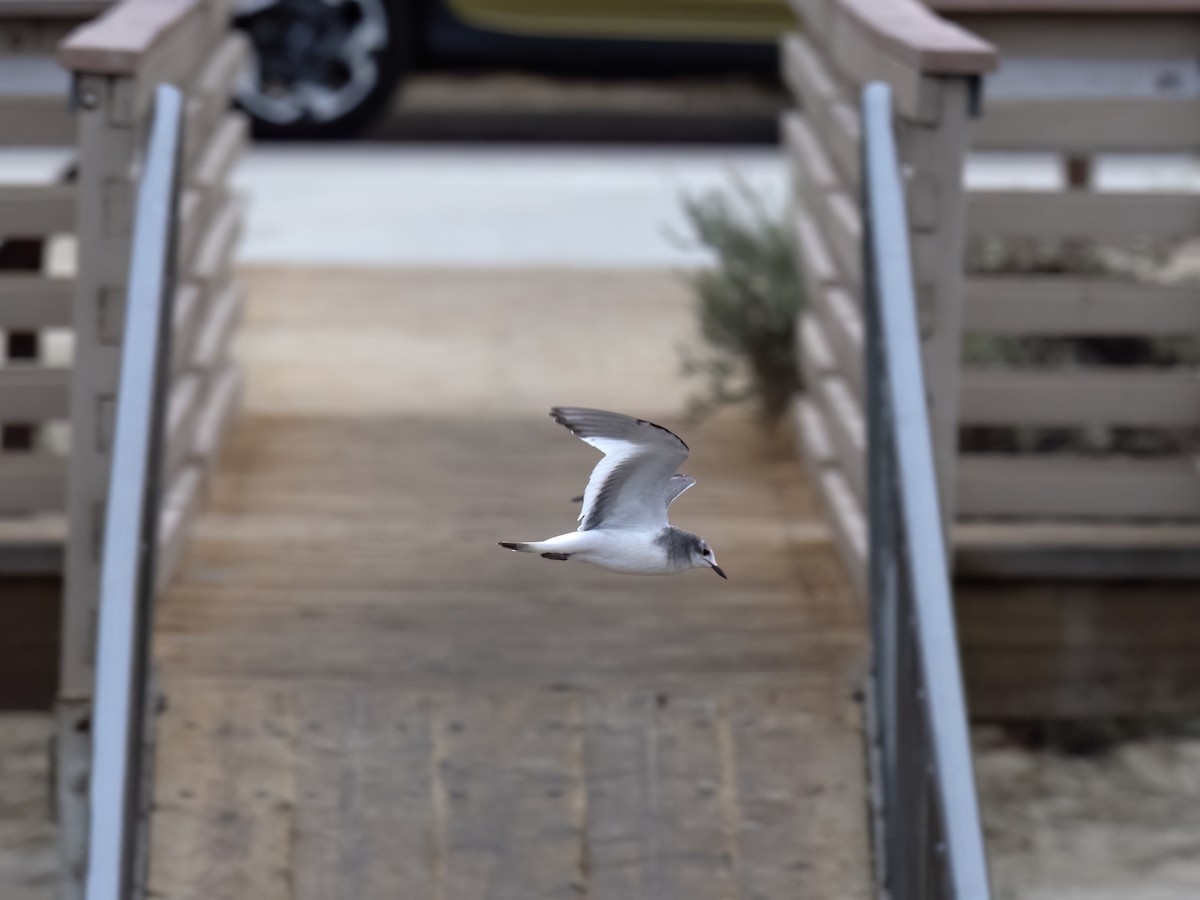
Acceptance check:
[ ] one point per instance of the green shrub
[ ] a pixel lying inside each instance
(746, 304)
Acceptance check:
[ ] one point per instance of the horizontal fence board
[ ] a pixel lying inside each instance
(1083, 125)
(843, 327)
(818, 269)
(843, 135)
(1077, 552)
(34, 301)
(214, 254)
(32, 482)
(1076, 487)
(848, 432)
(1068, 305)
(845, 514)
(844, 229)
(183, 411)
(849, 525)
(174, 524)
(36, 210)
(216, 331)
(816, 359)
(36, 121)
(805, 73)
(803, 148)
(190, 224)
(1108, 215)
(216, 418)
(227, 145)
(33, 393)
(1080, 397)
(824, 102)
(190, 303)
(811, 434)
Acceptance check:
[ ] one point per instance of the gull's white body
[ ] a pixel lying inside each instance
(633, 552)
(623, 522)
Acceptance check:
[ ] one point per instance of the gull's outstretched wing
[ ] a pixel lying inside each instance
(632, 485)
(677, 485)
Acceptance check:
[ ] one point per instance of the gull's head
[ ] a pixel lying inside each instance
(704, 558)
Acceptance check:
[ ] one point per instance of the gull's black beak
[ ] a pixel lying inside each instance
(720, 571)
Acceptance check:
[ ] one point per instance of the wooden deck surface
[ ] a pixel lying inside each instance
(367, 698)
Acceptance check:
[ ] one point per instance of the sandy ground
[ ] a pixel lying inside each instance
(1124, 825)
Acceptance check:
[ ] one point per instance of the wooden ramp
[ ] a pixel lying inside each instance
(367, 698)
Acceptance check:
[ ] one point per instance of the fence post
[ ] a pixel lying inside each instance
(106, 158)
(935, 155)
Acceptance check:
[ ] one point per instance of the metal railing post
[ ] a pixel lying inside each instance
(929, 839)
(131, 520)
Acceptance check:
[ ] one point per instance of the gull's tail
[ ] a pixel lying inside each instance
(519, 546)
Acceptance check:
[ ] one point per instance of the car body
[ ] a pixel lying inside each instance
(327, 68)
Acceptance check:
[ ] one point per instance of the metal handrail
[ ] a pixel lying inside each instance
(131, 520)
(929, 842)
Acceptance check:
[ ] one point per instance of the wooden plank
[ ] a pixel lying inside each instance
(32, 545)
(221, 154)
(35, 120)
(121, 40)
(1084, 650)
(817, 267)
(843, 132)
(1067, 305)
(188, 311)
(1077, 487)
(844, 231)
(816, 359)
(183, 411)
(508, 769)
(848, 432)
(1088, 125)
(215, 333)
(34, 210)
(813, 14)
(1110, 215)
(1080, 397)
(216, 418)
(367, 822)
(849, 526)
(659, 806)
(843, 327)
(914, 36)
(803, 149)
(1052, 551)
(795, 849)
(843, 509)
(32, 482)
(175, 522)
(217, 79)
(806, 75)
(812, 436)
(225, 794)
(822, 102)
(33, 393)
(191, 227)
(213, 257)
(34, 302)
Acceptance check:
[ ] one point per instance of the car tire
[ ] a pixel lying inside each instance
(320, 69)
